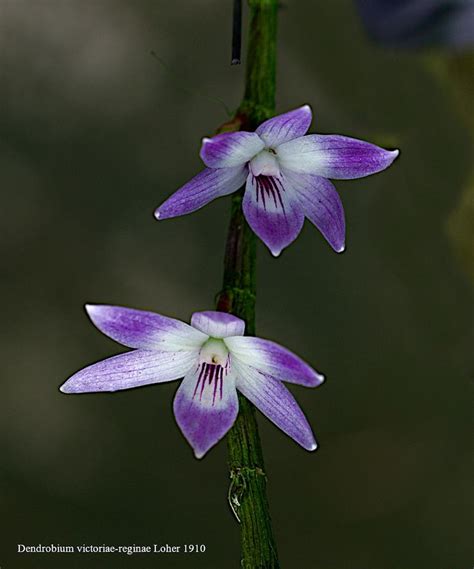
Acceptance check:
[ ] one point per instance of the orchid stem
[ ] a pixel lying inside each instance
(247, 492)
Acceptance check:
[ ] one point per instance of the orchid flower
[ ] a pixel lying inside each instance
(285, 172)
(215, 360)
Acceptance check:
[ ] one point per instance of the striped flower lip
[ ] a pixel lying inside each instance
(285, 172)
(214, 359)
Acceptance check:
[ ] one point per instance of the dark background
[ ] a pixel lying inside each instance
(94, 134)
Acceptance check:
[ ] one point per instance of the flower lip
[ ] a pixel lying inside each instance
(218, 324)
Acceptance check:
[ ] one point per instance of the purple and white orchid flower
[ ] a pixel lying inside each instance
(286, 174)
(215, 360)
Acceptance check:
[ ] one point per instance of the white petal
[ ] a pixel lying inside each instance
(230, 149)
(142, 329)
(334, 156)
(132, 369)
(274, 400)
(218, 324)
(272, 359)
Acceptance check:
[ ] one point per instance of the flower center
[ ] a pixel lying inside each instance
(214, 351)
(265, 163)
(214, 365)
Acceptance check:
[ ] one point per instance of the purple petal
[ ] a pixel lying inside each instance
(272, 212)
(230, 149)
(202, 189)
(322, 205)
(205, 407)
(133, 369)
(218, 324)
(146, 330)
(285, 127)
(334, 156)
(274, 400)
(272, 359)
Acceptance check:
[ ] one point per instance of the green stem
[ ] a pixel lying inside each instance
(247, 492)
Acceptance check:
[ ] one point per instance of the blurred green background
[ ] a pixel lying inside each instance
(94, 134)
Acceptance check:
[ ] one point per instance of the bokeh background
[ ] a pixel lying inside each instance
(94, 134)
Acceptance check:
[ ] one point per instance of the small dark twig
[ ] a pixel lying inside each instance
(236, 32)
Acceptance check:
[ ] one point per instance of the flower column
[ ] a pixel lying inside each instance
(247, 492)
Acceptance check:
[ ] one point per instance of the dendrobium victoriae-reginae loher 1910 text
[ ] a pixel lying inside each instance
(215, 360)
(286, 175)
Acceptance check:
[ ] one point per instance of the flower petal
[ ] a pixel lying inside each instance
(230, 149)
(147, 330)
(132, 369)
(285, 127)
(322, 205)
(272, 212)
(202, 189)
(334, 156)
(218, 324)
(272, 359)
(274, 400)
(205, 409)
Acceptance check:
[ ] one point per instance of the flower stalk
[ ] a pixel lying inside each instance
(247, 492)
